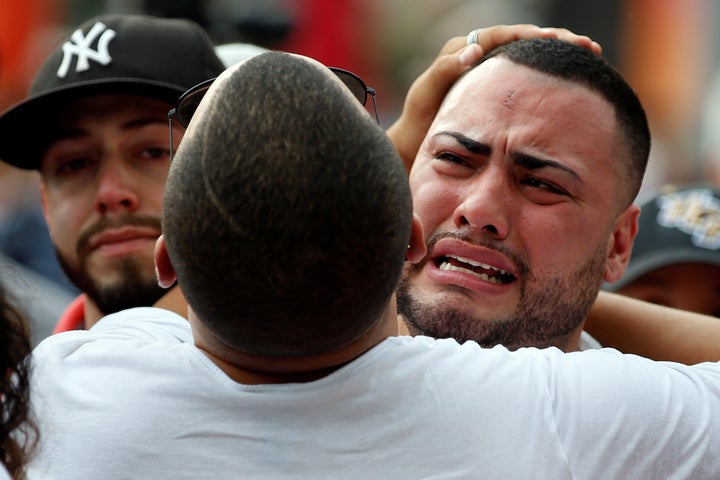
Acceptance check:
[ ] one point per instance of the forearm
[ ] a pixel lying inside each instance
(654, 331)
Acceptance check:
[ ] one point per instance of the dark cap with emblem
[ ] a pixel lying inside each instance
(142, 55)
(679, 225)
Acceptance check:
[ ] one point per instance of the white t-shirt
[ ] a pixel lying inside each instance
(4, 475)
(131, 398)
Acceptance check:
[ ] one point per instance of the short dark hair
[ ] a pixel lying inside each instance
(287, 211)
(579, 65)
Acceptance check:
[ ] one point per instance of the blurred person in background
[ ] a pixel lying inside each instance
(676, 257)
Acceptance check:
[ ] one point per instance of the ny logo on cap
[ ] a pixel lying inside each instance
(695, 212)
(80, 45)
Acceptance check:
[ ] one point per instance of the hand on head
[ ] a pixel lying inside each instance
(428, 91)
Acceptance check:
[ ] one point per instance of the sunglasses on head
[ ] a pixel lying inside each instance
(189, 101)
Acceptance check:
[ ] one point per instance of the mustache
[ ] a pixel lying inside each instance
(106, 223)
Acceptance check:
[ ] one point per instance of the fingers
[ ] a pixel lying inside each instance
(454, 45)
(491, 37)
(580, 40)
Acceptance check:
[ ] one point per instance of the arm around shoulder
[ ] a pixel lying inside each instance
(654, 331)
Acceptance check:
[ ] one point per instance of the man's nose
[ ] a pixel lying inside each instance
(486, 205)
(116, 191)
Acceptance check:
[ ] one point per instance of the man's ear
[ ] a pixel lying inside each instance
(621, 243)
(416, 248)
(163, 267)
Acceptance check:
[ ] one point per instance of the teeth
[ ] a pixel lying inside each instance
(477, 264)
(482, 276)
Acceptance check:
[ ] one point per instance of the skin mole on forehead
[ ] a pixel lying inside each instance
(508, 102)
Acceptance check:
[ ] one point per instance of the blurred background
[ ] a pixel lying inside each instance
(667, 49)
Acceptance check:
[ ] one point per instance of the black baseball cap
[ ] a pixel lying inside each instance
(678, 225)
(159, 58)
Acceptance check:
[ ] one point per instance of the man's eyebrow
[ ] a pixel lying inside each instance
(473, 146)
(69, 133)
(534, 163)
(522, 159)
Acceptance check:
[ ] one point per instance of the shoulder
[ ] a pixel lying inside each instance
(142, 324)
(147, 323)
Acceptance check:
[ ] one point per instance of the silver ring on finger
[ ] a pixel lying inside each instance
(473, 36)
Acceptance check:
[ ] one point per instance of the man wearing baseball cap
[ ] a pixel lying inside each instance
(98, 113)
(676, 257)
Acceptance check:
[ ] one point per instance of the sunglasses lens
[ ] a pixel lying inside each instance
(356, 86)
(189, 102)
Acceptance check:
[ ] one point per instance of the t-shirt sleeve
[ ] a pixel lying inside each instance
(624, 414)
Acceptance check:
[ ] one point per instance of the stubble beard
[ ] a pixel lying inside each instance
(132, 289)
(134, 283)
(549, 312)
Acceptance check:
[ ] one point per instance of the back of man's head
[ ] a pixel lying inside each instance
(287, 211)
(573, 63)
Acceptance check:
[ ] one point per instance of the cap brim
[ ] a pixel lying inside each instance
(663, 258)
(21, 120)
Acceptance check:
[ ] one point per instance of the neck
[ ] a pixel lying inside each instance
(92, 313)
(573, 344)
(402, 326)
(253, 369)
(173, 300)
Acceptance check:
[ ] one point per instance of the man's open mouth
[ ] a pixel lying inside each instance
(480, 270)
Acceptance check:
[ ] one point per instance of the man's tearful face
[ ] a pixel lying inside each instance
(517, 209)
